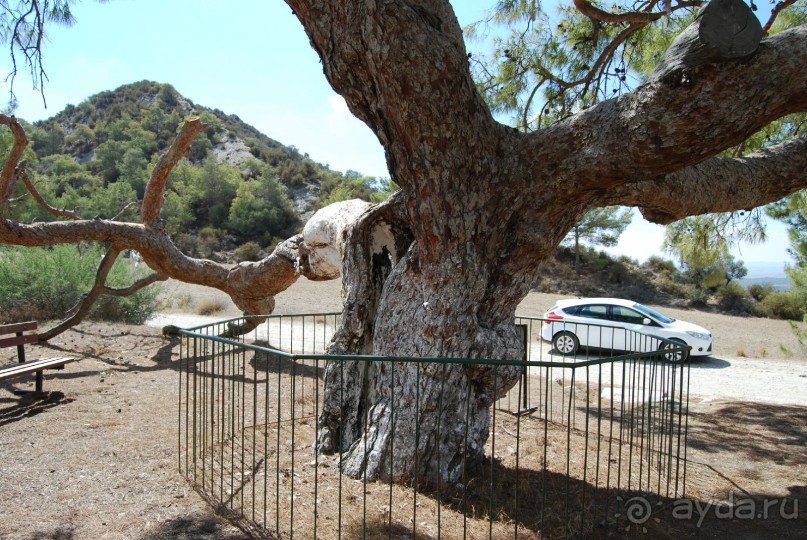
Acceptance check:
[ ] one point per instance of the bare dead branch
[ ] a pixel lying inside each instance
(775, 13)
(528, 104)
(122, 210)
(593, 12)
(22, 173)
(136, 286)
(88, 300)
(20, 143)
(153, 197)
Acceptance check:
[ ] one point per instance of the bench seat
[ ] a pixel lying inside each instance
(31, 366)
(22, 334)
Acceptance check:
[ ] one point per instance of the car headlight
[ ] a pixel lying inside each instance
(699, 335)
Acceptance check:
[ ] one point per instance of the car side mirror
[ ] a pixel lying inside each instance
(646, 321)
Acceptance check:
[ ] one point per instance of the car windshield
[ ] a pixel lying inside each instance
(653, 313)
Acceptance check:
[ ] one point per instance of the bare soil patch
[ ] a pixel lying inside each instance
(98, 458)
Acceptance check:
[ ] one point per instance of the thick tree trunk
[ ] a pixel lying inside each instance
(406, 420)
(485, 205)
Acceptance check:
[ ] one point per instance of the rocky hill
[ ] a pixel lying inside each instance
(144, 116)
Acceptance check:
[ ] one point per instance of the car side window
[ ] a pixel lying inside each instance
(593, 312)
(626, 315)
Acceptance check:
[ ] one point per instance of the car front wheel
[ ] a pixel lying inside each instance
(675, 356)
(566, 343)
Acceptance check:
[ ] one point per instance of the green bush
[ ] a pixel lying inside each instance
(667, 284)
(759, 291)
(661, 266)
(251, 251)
(783, 305)
(44, 283)
(698, 297)
(617, 272)
(733, 298)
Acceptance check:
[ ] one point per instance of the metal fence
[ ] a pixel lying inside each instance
(574, 440)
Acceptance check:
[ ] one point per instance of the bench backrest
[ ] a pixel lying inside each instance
(22, 334)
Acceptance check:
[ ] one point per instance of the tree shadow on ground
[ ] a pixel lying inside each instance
(760, 432)
(195, 527)
(380, 529)
(280, 364)
(548, 504)
(29, 405)
(60, 533)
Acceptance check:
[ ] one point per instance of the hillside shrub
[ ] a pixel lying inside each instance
(251, 251)
(759, 291)
(661, 266)
(697, 297)
(44, 283)
(733, 298)
(667, 284)
(618, 272)
(783, 305)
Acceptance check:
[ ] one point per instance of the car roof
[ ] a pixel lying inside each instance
(586, 301)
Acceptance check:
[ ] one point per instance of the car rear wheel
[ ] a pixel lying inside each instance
(566, 343)
(675, 356)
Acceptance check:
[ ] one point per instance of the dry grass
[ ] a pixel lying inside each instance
(210, 307)
(182, 301)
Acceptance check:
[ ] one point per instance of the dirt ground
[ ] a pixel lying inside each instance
(97, 459)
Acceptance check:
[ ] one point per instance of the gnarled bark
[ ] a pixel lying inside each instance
(374, 243)
(486, 204)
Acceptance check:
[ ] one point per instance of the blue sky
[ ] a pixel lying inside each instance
(250, 58)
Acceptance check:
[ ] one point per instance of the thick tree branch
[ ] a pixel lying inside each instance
(7, 175)
(153, 197)
(252, 286)
(721, 184)
(689, 116)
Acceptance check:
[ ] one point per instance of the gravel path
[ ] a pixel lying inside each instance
(762, 380)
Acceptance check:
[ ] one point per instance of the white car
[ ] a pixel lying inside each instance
(620, 325)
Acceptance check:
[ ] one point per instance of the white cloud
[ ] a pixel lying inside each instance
(640, 240)
(339, 109)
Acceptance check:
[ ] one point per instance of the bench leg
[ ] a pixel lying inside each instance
(38, 388)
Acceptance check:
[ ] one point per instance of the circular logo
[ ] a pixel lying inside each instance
(638, 510)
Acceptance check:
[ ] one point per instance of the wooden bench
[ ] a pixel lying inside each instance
(24, 333)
